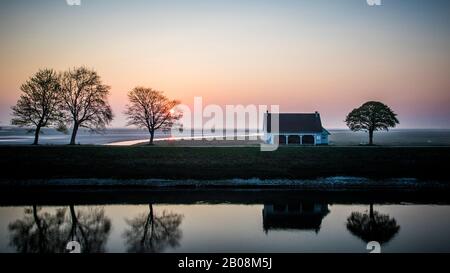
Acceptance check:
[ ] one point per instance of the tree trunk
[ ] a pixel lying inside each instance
(152, 136)
(371, 217)
(73, 217)
(38, 222)
(371, 212)
(150, 206)
(152, 233)
(36, 135)
(370, 137)
(74, 134)
(75, 225)
(148, 222)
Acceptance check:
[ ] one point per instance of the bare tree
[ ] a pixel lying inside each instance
(85, 100)
(90, 228)
(151, 109)
(153, 233)
(39, 231)
(43, 231)
(39, 104)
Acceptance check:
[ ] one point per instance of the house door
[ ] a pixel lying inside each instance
(282, 139)
(294, 139)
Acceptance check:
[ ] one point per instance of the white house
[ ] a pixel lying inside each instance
(295, 129)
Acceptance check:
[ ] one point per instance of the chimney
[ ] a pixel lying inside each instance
(317, 114)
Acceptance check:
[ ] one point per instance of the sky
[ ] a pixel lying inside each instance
(305, 55)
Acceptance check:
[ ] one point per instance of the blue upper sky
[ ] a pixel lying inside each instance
(305, 55)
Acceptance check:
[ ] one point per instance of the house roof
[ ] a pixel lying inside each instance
(295, 122)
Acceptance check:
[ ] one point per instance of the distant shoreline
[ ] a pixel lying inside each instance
(128, 137)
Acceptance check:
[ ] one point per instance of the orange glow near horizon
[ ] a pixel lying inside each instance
(301, 56)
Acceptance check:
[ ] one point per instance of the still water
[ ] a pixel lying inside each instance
(264, 222)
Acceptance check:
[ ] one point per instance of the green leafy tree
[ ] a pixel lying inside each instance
(370, 117)
(40, 102)
(372, 226)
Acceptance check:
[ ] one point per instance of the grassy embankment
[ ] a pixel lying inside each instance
(222, 163)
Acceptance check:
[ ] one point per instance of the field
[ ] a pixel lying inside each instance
(27, 162)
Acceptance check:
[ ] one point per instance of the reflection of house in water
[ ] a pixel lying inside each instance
(303, 215)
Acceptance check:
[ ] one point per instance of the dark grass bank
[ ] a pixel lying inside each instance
(27, 162)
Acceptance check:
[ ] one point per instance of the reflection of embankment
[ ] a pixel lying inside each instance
(49, 196)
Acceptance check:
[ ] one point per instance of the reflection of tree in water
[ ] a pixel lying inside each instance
(44, 232)
(150, 232)
(38, 232)
(373, 226)
(90, 228)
